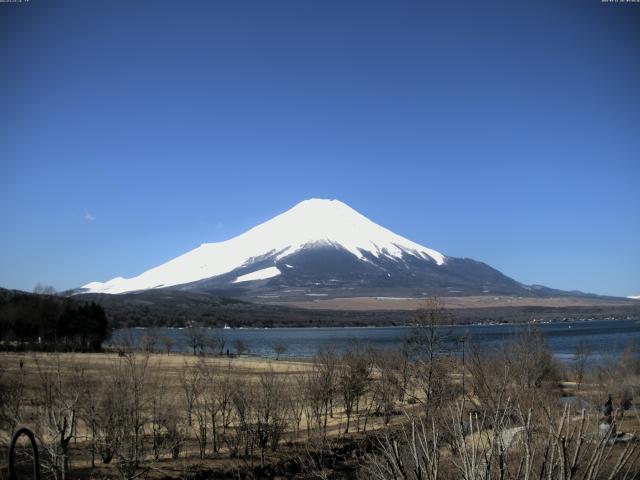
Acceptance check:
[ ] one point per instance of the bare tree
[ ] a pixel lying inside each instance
(168, 342)
(279, 348)
(530, 360)
(202, 410)
(618, 375)
(497, 445)
(213, 390)
(136, 370)
(196, 337)
(353, 376)
(216, 341)
(240, 347)
(224, 396)
(320, 386)
(386, 385)
(190, 379)
(580, 363)
(400, 361)
(12, 388)
(411, 454)
(158, 410)
(297, 401)
(92, 392)
(149, 340)
(430, 345)
(490, 378)
(123, 413)
(522, 370)
(167, 423)
(58, 413)
(244, 409)
(270, 412)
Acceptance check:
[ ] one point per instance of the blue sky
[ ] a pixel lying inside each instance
(508, 132)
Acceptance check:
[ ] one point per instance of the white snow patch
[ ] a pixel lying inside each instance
(634, 297)
(258, 275)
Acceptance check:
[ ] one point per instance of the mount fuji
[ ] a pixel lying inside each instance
(320, 248)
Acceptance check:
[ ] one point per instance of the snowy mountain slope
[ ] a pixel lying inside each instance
(308, 226)
(322, 271)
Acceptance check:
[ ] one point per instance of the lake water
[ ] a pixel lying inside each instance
(603, 337)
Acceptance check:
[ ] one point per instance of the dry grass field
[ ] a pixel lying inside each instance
(193, 389)
(477, 301)
(360, 414)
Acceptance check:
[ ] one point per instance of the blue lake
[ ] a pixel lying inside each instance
(603, 337)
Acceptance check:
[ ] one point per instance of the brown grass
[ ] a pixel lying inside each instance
(477, 301)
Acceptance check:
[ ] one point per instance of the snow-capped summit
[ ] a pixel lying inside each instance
(317, 248)
(332, 222)
(310, 223)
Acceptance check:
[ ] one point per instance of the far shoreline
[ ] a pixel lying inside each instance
(407, 326)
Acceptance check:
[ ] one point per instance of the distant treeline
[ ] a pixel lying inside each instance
(83, 321)
(50, 322)
(175, 308)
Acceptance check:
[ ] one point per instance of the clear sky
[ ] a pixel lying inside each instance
(504, 131)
